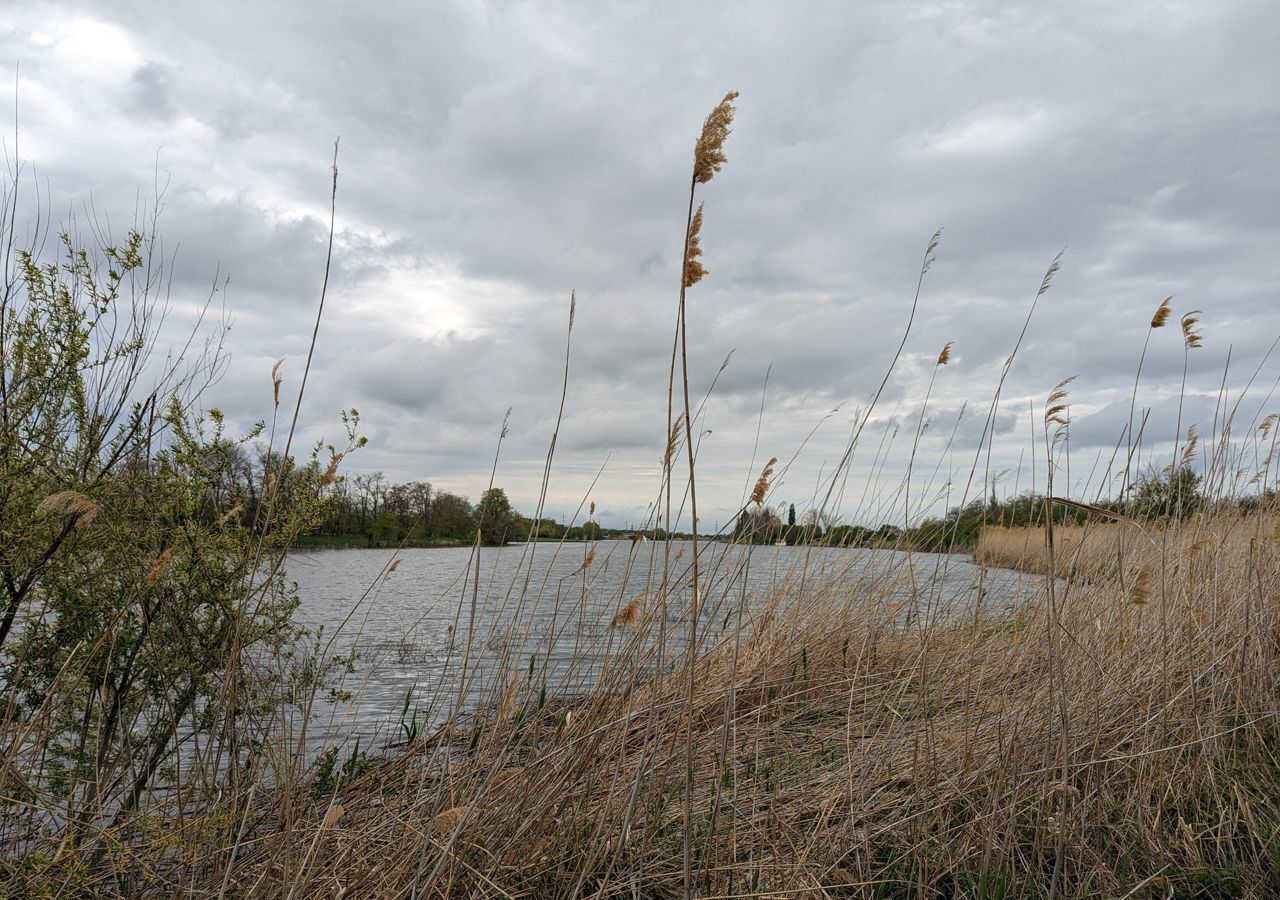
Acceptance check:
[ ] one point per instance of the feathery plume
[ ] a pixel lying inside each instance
(508, 698)
(1055, 411)
(629, 615)
(945, 356)
(1189, 451)
(1162, 313)
(230, 514)
(331, 473)
(1267, 424)
(591, 513)
(1141, 590)
(708, 153)
(694, 270)
(930, 253)
(1050, 272)
(448, 820)
(1190, 336)
(762, 483)
(69, 503)
(276, 380)
(158, 567)
(672, 441)
(331, 818)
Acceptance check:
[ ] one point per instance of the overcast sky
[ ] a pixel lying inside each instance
(495, 157)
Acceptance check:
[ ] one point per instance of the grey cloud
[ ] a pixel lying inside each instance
(495, 157)
(151, 91)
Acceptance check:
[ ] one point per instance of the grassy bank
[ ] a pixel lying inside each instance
(1119, 737)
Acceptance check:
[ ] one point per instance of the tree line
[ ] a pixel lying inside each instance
(1157, 494)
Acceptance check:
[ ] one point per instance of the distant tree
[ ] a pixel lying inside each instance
(791, 516)
(758, 526)
(494, 518)
(451, 517)
(1174, 494)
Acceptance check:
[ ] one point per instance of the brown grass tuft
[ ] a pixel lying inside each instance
(945, 356)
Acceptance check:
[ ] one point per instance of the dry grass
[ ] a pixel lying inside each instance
(862, 759)
(1105, 548)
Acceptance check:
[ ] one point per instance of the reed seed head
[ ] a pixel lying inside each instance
(276, 380)
(673, 439)
(331, 818)
(1055, 411)
(629, 615)
(1054, 266)
(447, 821)
(331, 473)
(1190, 336)
(694, 270)
(158, 567)
(1189, 451)
(762, 483)
(930, 253)
(1140, 592)
(1162, 313)
(69, 503)
(708, 152)
(1267, 424)
(945, 356)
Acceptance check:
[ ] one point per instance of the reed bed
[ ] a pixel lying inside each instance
(1100, 548)
(1130, 746)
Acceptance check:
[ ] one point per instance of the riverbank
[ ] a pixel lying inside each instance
(1122, 743)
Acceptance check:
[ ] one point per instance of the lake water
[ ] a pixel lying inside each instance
(542, 613)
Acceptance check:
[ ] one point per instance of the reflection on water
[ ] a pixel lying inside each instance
(541, 614)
